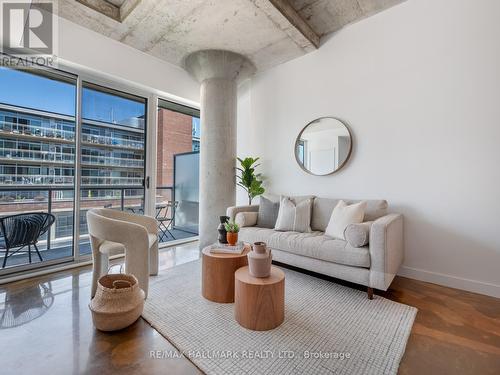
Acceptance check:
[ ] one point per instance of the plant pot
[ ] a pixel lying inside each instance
(232, 238)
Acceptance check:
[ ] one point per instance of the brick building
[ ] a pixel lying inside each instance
(175, 136)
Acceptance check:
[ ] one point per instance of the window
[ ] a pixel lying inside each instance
(113, 152)
(38, 128)
(34, 150)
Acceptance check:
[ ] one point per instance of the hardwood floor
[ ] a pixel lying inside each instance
(455, 332)
(46, 328)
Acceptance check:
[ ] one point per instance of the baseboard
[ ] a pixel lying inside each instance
(451, 281)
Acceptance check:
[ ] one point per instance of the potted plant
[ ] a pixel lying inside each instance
(232, 230)
(248, 179)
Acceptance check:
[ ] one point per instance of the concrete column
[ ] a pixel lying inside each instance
(219, 73)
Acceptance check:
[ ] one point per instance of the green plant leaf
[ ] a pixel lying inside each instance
(247, 179)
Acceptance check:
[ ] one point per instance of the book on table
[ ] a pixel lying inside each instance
(222, 248)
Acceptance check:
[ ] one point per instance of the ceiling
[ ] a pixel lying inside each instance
(268, 32)
(327, 16)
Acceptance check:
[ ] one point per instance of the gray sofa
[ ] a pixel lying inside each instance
(373, 265)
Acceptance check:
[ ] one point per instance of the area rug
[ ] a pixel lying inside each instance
(328, 328)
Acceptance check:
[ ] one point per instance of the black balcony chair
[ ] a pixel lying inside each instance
(19, 231)
(166, 221)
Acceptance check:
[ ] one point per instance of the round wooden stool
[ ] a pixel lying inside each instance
(217, 283)
(259, 302)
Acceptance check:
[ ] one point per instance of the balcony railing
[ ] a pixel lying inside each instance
(22, 180)
(57, 243)
(36, 156)
(112, 141)
(58, 134)
(134, 182)
(60, 157)
(37, 131)
(28, 179)
(111, 161)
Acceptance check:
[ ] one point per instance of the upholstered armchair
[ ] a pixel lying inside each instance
(114, 232)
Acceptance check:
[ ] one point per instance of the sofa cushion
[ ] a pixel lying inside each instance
(268, 213)
(358, 234)
(246, 219)
(344, 215)
(323, 208)
(294, 216)
(313, 245)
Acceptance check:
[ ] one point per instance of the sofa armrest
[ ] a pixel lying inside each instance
(232, 211)
(386, 250)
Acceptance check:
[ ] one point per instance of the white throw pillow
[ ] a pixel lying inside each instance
(294, 217)
(246, 219)
(344, 215)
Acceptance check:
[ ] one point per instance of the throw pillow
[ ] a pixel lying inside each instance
(342, 216)
(293, 216)
(268, 213)
(358, 235)
(246, 219)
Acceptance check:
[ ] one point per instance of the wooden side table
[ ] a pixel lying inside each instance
(259, 302)
(217, 283)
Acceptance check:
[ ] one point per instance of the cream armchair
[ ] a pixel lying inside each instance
(113, 232)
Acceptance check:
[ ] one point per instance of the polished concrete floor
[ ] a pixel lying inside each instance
(46, 328)
(65, 249)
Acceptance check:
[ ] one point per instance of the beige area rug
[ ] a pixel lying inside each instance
(328, 328)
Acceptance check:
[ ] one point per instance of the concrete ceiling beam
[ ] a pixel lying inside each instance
(115, 10)
(287, 18)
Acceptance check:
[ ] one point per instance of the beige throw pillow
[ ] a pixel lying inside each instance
(358, 235)
(246, 219)
(342, 216)
(293, 216)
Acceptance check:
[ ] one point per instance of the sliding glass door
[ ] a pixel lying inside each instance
(112, 153)
(61, 134)
(177, 195)
(37, 161)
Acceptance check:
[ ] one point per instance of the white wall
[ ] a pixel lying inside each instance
(105, 56)
(419, 85)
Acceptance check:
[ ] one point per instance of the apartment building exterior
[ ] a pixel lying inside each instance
(37, 161)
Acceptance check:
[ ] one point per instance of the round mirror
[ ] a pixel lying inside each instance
(323, 146)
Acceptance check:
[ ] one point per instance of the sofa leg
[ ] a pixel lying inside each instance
(370, 292)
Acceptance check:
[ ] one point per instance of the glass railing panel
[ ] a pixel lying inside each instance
(19, 179)
(134, 201)
(37, 156)
(36, 131)
(55, 244)
(112, 141)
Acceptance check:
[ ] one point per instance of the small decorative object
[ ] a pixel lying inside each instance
(222, 229)
(118, 302)
(259, 260)
(232, 230)
(220, 248)
(248, 179)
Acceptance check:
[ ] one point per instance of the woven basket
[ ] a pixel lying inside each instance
(118, 302)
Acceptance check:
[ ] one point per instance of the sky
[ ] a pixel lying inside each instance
(23, 89)
(31, 91)
(28, 90)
